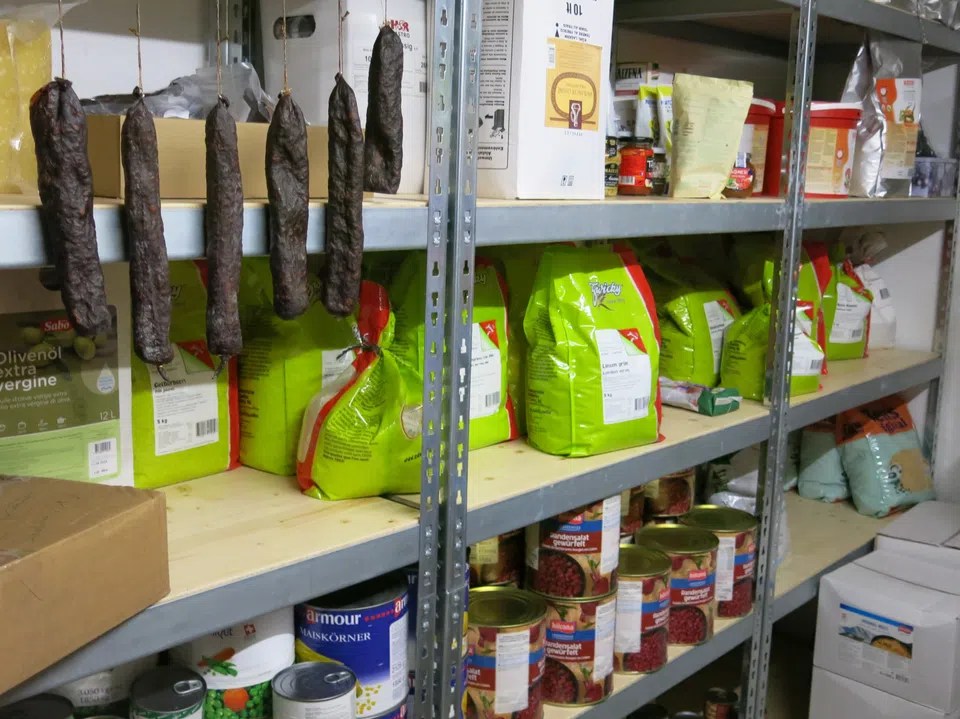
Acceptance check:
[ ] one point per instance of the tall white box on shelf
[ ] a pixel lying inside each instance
(544, 84)
(834, 696)
(893, 622)
(930, 531)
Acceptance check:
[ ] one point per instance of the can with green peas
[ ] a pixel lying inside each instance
(238, 663)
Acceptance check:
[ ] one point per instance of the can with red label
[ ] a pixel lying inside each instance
(575, 554)
(643, 610)
(736, 531)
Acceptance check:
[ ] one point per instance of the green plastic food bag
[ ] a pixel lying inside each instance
(361, 433)
(850, 324)
(821, 472)
(744, 361)
(492, 416)
(594, 353)
(283, 364)
(694, 313)
(188, 425)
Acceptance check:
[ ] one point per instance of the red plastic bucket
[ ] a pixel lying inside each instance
(756, 132)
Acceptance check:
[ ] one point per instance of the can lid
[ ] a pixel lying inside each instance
(759, 106)
(677, 539)
(314, 681)
(41, 706)
(168, 689)
(720, 695)
(719, 519)
(503, 607)
(637, 560)
(370, 593)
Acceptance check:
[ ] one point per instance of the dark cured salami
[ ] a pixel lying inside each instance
(383, 149)
(344, 215)
(149, 271)
(288, 187)
(224, 230)
(66, 196)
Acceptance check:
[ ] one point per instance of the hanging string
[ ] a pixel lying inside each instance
(385, 20)
(63, 52)
(136, 31)
(286, 85)
(343, 16)
(219, 55)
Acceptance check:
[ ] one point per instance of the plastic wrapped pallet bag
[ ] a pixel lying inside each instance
(594, 353)
(881, 455)
(361, 433)
(821, 472)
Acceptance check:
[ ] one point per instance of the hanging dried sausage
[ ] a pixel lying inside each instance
(66, 197)
(383, 150)
(149, 271)
(344, 214)
(224, 230)
(288, 180)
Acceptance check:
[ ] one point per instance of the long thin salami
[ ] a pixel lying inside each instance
(383, 148)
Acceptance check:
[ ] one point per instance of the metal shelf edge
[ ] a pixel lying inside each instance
(891, 211)
(171, 623)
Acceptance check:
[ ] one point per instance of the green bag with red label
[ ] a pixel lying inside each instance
(849, 327)
(594, 353)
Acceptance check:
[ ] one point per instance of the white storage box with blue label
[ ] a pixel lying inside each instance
(929, 531)
(893, 622)
(835, 696)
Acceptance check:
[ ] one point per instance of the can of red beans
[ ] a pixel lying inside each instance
(575, 554)
(693, 562)
(498, 560)
(579, 649)
(736, 531)
(643, 609)
(631, 513)
(505, 654)
(672, 495)
(720, 704)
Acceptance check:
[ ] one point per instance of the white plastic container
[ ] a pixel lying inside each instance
(313, 61)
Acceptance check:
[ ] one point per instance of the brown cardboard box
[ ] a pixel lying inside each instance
(182, 153)
(76, 559)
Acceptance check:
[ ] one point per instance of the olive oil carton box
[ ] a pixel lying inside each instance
(64, 399)
(544, 70)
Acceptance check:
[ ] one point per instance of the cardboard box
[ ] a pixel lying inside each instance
(65, 402)
(893, 622)
(544, 81)
(930, 531)
(835, 696)
(182, 154)
(76, 560)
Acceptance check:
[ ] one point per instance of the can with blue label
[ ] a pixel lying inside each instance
(365, 628)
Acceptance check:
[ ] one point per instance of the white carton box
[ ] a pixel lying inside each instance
(893, 622)
(544, 69)
(930, 531)
(65, 401)
(833, 696)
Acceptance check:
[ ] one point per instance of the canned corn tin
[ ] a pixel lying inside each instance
(106, 692)
(167, 693)
(238, 662)
(693, 561)
(315, 690)
(41, 706)
(505, 655)
(579, 650)
(736, 531)
(643, 610)
(364, 627)
(398, 712)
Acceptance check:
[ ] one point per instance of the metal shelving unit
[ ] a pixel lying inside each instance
(512, 485)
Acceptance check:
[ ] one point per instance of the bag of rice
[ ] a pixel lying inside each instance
(361, 433)
(492, 417)
(881, 455)
(850, 325)
(821, 472)
(192, 417)
(594, 354)
(283, 364)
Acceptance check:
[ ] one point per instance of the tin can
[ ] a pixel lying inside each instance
(575, 554)
(631, 513)
(693, 560)
(505, 656)
(238, 662)
(315, 690)
(363, 627)
(579, 649)
(655, 521)
(498, 560)
(41, 706)
(167, 693)
(672, 495)
(105, 692)
(636, 177)
(643, 610)
(721, 704)
(398, 712)
(736, 531)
